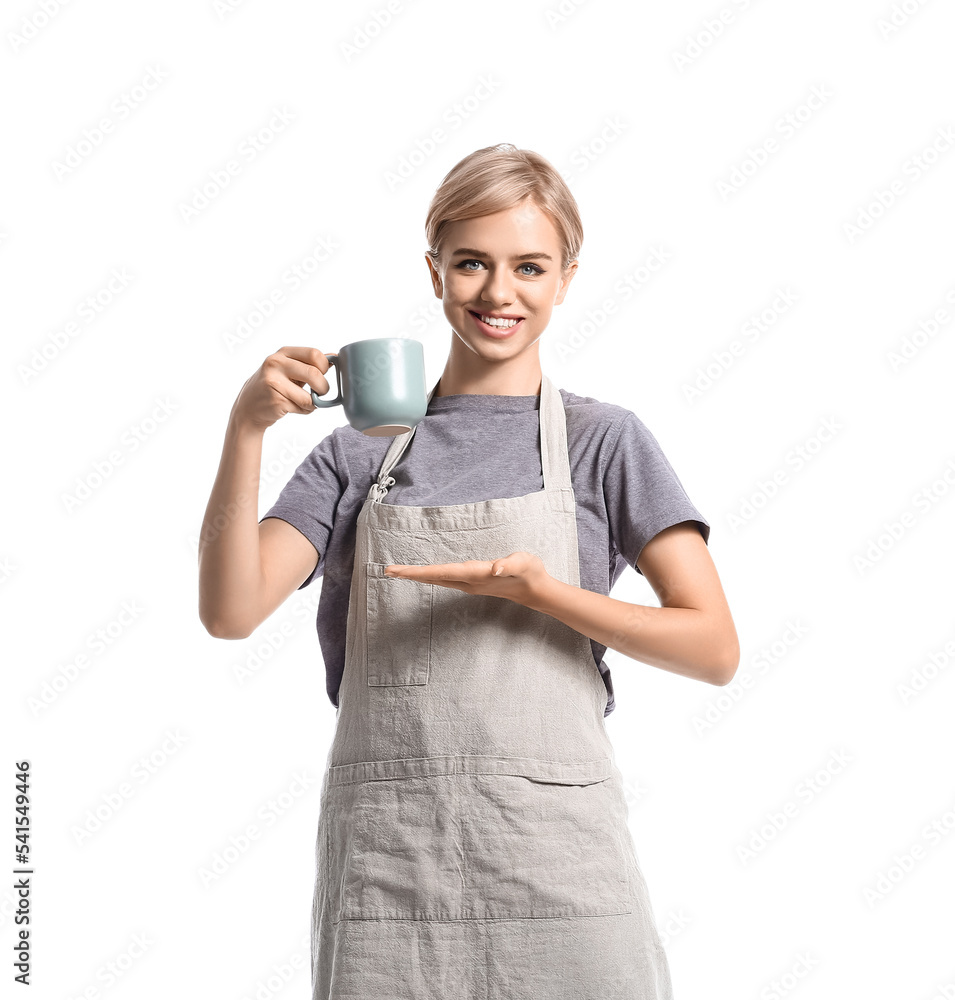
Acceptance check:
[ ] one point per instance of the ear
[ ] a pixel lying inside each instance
(565, 282)
(435, 277)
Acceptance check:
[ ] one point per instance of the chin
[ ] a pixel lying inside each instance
(496, 349)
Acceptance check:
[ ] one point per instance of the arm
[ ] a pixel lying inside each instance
(247, 569)
(692, 633)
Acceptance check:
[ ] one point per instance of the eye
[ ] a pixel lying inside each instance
(535, 270)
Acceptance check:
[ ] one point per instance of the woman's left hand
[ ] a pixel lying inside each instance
(519, 577)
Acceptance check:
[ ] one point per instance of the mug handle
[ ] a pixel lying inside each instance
(316, 399)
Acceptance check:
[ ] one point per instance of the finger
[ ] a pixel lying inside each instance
(420, 574)
(504, 566)
(279, 373)
(309, 356)
(299, 401)
(473, 569)
(307, 365)
(300, 371)
(429, 574)
(438, 572)
(297, 373)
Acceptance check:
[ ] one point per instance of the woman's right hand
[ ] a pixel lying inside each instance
(277, 387)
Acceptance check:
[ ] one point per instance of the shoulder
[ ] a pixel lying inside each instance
(614, 440)
(599, 420)
(349, 452)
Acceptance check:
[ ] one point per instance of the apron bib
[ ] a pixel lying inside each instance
(472, 837)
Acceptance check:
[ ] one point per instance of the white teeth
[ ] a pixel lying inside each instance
(503, 323)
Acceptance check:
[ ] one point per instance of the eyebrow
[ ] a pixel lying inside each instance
(469, 252)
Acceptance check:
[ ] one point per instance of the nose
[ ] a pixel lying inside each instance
(498, 290)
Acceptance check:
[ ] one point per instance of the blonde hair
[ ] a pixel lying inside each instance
(499, 177)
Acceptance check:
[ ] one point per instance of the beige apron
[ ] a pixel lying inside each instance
(472, 838)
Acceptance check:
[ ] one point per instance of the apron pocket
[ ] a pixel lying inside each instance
(398, 850)
(544, 848)
(478, 846)
(398, 628)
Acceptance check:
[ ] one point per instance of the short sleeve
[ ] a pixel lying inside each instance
(642, 491)
(309, 500)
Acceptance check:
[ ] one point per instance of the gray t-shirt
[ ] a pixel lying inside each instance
(473, 447)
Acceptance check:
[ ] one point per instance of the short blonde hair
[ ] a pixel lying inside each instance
(499, 177)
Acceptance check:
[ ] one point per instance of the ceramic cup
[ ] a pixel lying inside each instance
(381, 385)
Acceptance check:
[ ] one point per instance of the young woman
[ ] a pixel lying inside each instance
(473, 837)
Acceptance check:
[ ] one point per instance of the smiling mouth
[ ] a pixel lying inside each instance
(497, 322)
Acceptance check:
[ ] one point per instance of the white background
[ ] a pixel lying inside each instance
(797, 827)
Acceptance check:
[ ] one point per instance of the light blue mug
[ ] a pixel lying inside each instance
(381, 385)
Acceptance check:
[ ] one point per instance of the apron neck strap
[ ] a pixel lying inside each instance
(555, 462)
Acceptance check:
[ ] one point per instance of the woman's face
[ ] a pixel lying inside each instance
(481, 273)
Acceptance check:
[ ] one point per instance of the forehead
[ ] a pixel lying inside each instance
(521, 228)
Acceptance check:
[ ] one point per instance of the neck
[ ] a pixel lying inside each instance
(467, 373)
